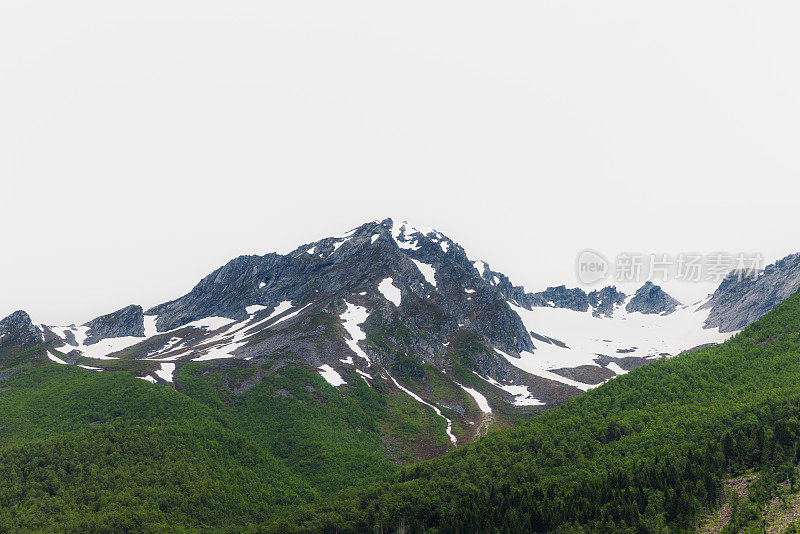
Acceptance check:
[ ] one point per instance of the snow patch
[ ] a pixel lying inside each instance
(254, 309)
(104, 347)
(166, 371)
(480, 400)
(286, 317)
(353, 317)
(331, 376)
(406, 242)
(389, 291)
(233, 338)
(150, 325)
(427, 271)
(209, 323)
(522, 397)
(532, 365)
(614, 366)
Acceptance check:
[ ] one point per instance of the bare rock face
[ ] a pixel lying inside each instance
(606, 300)
(415, 299)
(128, 321)
(561, 297)
(430, 270)
(17, 329)
(651, 299)
(742, 297)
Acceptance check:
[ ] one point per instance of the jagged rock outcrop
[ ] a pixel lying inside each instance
(128, 321)
(606, 300)
(431, 271)
(18, 330)
(743, 297)
(561, 297)
(650, 299)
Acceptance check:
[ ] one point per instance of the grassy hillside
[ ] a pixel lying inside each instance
(646, 452)
(234, 445)
(276, 448)
(108, 452)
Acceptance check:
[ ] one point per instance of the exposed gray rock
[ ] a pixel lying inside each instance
(128, 321)
(561, 297)
(18, 330)
(742, 298)
(460, 314)
(350, 267)
(605, 301)
(650, 299)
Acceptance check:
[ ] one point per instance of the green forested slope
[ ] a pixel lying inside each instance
(108, 452)
(83, 451)
(644, 453)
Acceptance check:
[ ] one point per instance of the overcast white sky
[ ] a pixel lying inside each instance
(143, 145)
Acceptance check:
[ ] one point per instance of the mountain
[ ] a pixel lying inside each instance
(287, 391)
(405, 307)
(743, 297)
(647, 452)
(20, 341)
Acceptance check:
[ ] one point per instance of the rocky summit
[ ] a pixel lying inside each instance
(743, 297)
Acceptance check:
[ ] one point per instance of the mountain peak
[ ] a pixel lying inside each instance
(18, 329)
(651, 299)
(128, 321)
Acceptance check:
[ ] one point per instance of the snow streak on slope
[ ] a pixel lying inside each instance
(55, 358)
(480, 400)
(417, 398)
(528, 363)
(236, 335)
(522, 397)
(220, 345)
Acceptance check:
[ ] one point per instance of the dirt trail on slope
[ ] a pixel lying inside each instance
(738, 486)
(782, 511)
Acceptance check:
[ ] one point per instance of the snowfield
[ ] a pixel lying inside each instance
(637, 334)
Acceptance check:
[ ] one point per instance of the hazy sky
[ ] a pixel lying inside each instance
(143, 145)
